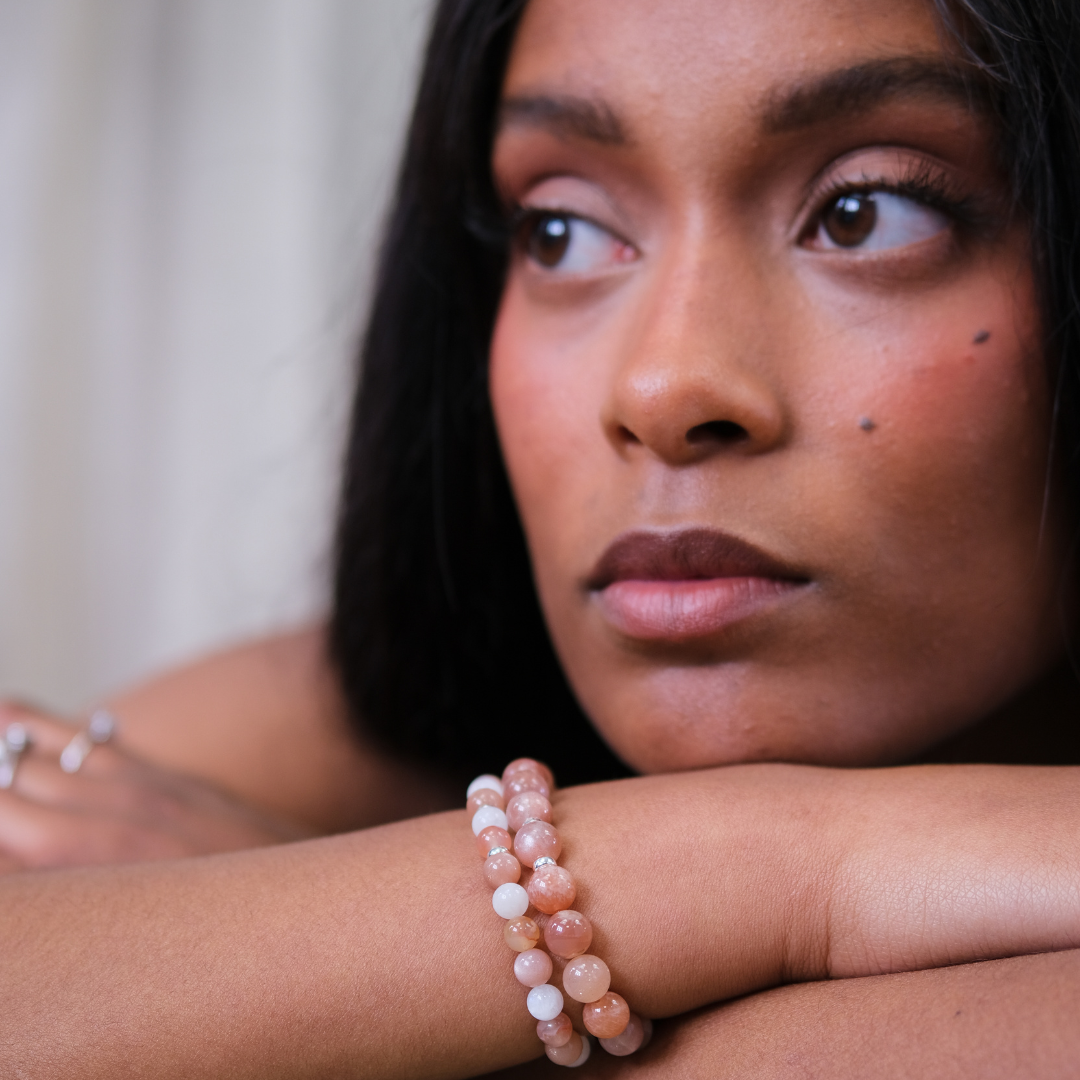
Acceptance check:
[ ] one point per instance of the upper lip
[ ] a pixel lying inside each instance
(685, 554)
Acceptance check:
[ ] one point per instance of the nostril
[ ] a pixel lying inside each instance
(717, 431)
(627, 435)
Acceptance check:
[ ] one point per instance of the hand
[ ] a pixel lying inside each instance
(115, 808)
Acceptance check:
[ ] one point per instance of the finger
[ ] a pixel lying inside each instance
(49, 736)
(40, 836)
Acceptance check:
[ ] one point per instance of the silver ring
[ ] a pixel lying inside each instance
(14, 745)
(99, 729)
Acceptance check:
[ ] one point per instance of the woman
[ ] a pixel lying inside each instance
(778, 300)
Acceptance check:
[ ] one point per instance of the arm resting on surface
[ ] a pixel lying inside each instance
(995, 1020)
(377, 954)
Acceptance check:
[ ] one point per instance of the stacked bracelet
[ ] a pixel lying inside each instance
(520, 803)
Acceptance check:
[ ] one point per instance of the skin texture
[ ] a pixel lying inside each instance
(716, 372)
(867, 440)
(225, 967)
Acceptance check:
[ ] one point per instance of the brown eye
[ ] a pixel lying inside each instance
(850, 219)
(548, 238)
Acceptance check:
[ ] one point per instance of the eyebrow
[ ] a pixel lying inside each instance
(567, 116)
(828, 97)
(864, 86)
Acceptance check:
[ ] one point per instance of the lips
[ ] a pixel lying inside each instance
(687, 584)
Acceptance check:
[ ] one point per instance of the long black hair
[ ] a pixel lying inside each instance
(436, 629)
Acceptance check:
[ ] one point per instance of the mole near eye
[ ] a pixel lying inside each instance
(980, 337)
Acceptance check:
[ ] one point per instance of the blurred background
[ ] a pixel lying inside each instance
(190, 200)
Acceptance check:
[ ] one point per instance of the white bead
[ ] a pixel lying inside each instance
(488, 815)
(493, 783)
(544, 1002)
(510, 901)
(586, 1050)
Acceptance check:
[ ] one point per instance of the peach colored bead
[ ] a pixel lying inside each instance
(529, 804)
(607, 1016)
(555, 1032)
(501, 868)
(637, 1034)
(573, 1053)
(568, 934)
(528, 764)
(483, 797)
(491, 837)
(551, 889)
(521, 933)
(526, 781)
(535, 840)
(587, 978)
(532, 967)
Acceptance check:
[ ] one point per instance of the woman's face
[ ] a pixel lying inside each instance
(767, 378)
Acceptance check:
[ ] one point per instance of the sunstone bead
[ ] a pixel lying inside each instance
(573, 1053)
(521, 933)
(526, 781)
(483, 797)
(607, 1016)
(587, 978)
(501, 868)
(555, 1032)
(568, 934)
(529, 804)
(528, 764)
(532, 967)
(510, 901)
(493, 837)
(551, 889)
(486, 816)
(636, 1034)
(535, 840)
(544, 1002)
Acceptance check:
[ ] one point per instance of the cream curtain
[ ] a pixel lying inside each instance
(190, 193)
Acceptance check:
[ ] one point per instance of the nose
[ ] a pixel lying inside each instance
(693, 379)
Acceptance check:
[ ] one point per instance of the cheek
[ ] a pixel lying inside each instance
(547, 381)
(957, 403)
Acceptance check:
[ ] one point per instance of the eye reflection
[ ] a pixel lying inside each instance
(877, 221)
(570, 244)
(548, 239)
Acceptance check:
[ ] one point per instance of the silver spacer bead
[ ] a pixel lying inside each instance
(528, 819)
(497, 851)
(544, 860)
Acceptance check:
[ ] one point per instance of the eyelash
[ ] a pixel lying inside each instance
(924, 184)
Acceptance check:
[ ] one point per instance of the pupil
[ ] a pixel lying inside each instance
(549, 240)
(851, 219)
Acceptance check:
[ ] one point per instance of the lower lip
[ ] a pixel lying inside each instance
(682, 610)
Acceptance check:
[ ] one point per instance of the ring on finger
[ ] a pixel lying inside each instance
(99, 729)
(14, 744)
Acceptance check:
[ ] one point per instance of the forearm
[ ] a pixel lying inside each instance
(1002, 1018)
(378, 954)
(375, 954)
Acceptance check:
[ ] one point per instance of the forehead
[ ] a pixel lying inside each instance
(678, 56)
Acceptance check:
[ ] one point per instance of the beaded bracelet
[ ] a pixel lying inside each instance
(520, 803)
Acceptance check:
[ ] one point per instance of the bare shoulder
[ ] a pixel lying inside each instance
(265, 720)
